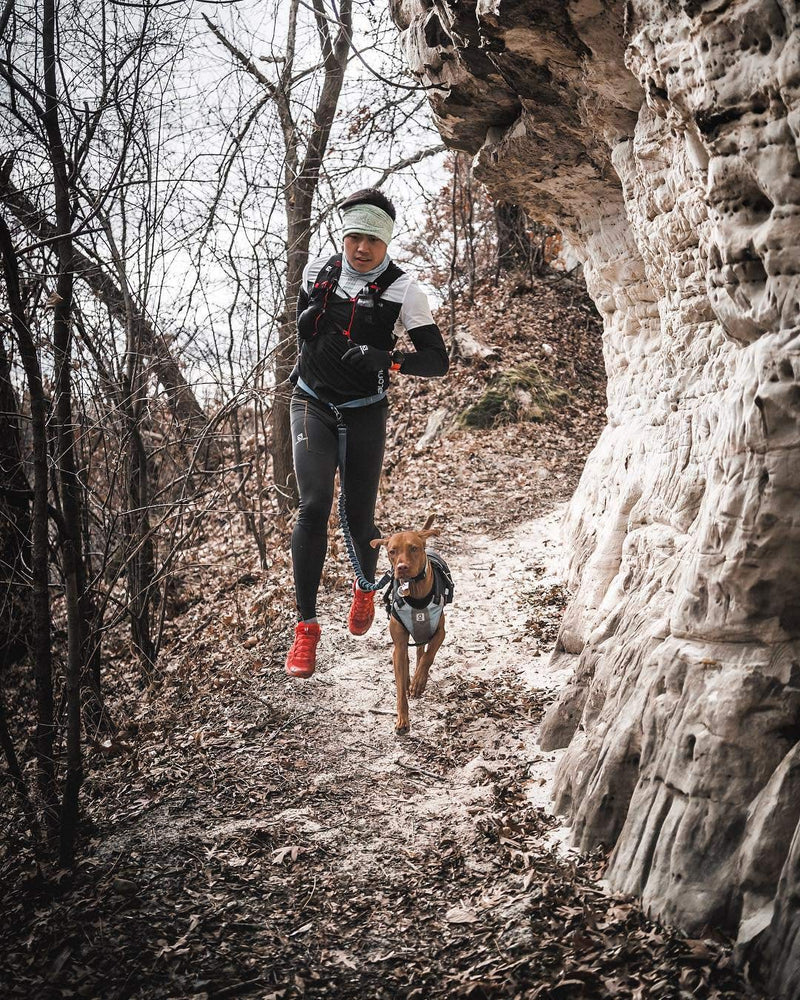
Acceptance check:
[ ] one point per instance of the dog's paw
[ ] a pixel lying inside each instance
(418, 684)
(402, 727)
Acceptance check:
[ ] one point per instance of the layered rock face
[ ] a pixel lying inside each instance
(662, 137)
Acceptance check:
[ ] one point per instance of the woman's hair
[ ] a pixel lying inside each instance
(370, 196)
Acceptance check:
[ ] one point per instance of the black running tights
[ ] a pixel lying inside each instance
(315, 447)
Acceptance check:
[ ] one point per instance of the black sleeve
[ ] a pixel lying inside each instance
(429, 358)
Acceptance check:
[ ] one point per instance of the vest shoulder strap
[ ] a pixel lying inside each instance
(328, 275)
(389, 276)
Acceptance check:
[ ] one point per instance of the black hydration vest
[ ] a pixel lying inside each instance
(330, 325)
(360, 315)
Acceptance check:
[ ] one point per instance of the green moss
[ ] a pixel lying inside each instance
(524, 393)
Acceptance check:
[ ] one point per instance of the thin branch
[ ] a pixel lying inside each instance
(374, 72)
(242, 59)
(409, 161)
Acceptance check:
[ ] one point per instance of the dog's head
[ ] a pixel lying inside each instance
(407, 550)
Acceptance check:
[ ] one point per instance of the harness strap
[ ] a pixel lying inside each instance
(394, 602)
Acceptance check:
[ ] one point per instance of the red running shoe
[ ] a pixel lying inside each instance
(362, 610)
(302, 657)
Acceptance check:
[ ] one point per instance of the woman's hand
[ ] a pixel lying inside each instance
(368, 359)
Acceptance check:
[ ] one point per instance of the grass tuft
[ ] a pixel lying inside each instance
(525, 393)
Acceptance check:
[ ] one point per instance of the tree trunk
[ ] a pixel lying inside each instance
(15, 771)
(513, 244)
(41, 637)
(15, 526)
(68, 478)
(140, 570)
(301, 186)
(299, 239)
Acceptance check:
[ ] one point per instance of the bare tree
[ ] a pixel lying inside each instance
(313, 116)
(147, 311)
(304, 149)
(40, 612)
(79, 230)
(98, 276)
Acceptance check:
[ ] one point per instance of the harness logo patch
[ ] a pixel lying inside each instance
(420, 616)
(301, 437)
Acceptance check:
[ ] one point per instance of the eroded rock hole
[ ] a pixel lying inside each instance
(759, 204)
(762, 598)
(790, 733)
(789, 620)
(435, 35)
(710, 123)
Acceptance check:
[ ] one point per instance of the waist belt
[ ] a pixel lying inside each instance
(350, 404)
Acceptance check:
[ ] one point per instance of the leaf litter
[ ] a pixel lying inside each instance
(250, 836)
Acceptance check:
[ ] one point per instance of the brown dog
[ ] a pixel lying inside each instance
(413, 586)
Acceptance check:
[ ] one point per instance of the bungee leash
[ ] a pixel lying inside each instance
(363, 583)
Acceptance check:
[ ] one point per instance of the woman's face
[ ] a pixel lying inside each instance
(364, 252)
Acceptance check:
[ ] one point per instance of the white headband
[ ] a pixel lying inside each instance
(369, 220)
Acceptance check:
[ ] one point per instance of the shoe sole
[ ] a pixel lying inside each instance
(299, 671)
(362, 631)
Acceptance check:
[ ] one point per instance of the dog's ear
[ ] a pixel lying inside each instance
(377, 542)
(428, 522)
(430, 532)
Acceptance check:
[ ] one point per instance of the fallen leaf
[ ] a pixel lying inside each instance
(292, 851)
(461, 915)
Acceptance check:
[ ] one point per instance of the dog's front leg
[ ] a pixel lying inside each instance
(425, 655)
(400, 662)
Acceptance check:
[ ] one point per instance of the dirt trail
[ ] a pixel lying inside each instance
(247, 835)
(273, 838)
(399, 862)
(480, 712)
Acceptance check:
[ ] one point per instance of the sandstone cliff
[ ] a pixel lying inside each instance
(662, 137)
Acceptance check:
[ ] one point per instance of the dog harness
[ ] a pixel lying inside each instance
(421, 620)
